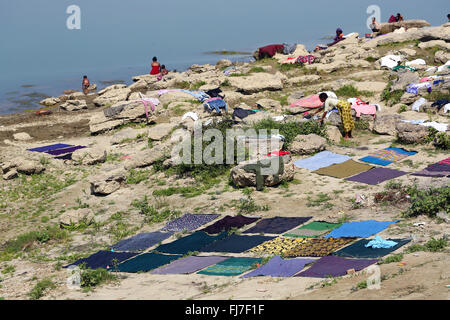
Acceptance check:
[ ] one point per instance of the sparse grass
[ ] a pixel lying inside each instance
(321, 200)
(152, 215)
(197, 85)
(248, 205)
(433, 245)
(349, 91)
(345, 218)
(182, 84)
(40, 289)
(393, 258)
(136, 176)
(257, 69)
(91, 278)
(391, 97)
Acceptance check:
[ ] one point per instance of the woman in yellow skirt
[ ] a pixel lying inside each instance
(345, 112)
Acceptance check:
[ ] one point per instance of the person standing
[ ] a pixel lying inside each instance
(345, 112)
(85, 85)
(155, 66)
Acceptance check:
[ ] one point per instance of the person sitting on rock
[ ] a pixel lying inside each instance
(163, 72)
(375, 26)
(155, 66)
(339, 37)
(399, 17)
(345, 112)
(448, 17)
(85, 85)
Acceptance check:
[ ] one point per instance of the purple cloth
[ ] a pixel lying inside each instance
(229, 222)
(141, 241)
(434, 170)
(57, 152)
(376, 175)
(277, 225)
(189, 264)
(103, 259)
(50, 147)
(278, 267)
(189, 222)
(335, 267)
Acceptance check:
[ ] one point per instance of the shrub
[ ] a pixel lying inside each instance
(428, 201)
(40, 288)
(394, 258)
(152, 215)
(137, 176)
(197, 85)
(91, 278)
(248, 205)
(351, 91)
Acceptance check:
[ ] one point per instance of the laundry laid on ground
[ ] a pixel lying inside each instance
(414, 87)
(387, 156)
(278, 267)
(189, 222)
(231, 267)
(58, 149)
(188, 265)
(361, 229)
(332, 266)
(58, 152)
(215, 104)
(313, 229)
(343, 170)
(378, 243)
(377, 175)
(318, 247)
(241, 113)
(236, 243)
(277, 225)
(437, 170)
(442, 127)
(359, 249)
(278, 246)
(230, 70)
(51, 147)
(362, 107)
(419, 103)
(190, 243)
(308, 102)
(321, 160)
(146, 262)
(141, 241)
(229, 222)
(390, 61)
(103, 259)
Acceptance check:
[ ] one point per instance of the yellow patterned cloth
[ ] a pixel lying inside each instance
(345, 111)
(278, 246)
(318, 247)
(390, 155)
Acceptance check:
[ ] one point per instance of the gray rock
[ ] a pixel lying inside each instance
(74, 105)
(50, 101)
(160, 131)
(387, 27)
(105, 184)
(89, 156)
(408, 98)
(76, 217)
(307, 144)
(408, 52)
(441, 56)
(333, 133)
(29, 166)
(223, 63)
(110, 96)
(126, 134)
(435, 43)
(10, 174)
(22, 136)
(257, 82)
(411, 133)
(146, 157)
(386, 124)
(404, 79)
(269, 104)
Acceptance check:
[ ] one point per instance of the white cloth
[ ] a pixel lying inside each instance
(447, 108)
(444, 67)
(390, 61)
(279, 118)
(417, 61)
(437, 125)
(192, 115)
(416, 105)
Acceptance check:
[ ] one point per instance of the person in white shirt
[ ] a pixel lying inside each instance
(345, 112)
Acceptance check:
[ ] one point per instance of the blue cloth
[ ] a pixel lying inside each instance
(141, 241)
(379, 243)
(216, 105)
(376, 160)
(51, 147)
(360, 229)
(199, 95)
(103, 259)
(321, 160)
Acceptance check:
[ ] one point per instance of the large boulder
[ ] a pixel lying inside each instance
(161, 130)
(408, 98)
(245, 173)
(304, 79)
(50, 101)
(387, 27)
(10, 174)
(404, 79)
(333, 133)
(22, 136)
(411, 133)
(75, 217)
(257, 82)
(74, 105)
(441, 44)
(441, 56)
(28, 166)
(373, 86)
(307, 144)
(126, 135)
(386, 124)
(146, 157)
(112, 95)
(89, 156)
(223, 63)
(108, 183)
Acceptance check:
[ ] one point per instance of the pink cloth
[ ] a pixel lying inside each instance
(426, 79)
(304, 59)
(364, 109)
(446, 161)
(277, 153)
(308, 102)
(146, 106)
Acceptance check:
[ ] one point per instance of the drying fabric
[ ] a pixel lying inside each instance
(63, 151)
(333, 266)
(343, 170)
(189, 222)
(188, 265)
(417, 61)
(277, 225)
(416, 105)
(51, 147)
(321, 160)
(241, 113)
(278, 153)
(377, 175)
(403, 67)
(380, 243)
(359, 249)
(414, 87)
(313, 229)
(364, 109)
(278, 267)
(447, 108)
(440, 103)
(141, 241)
(270, 50)
(434, 170)
(103, 259)
(236, 243)
(192, 115)
(231, 267)
(190, 243)
(229, 222)
(214, 93)
(387, 156)
(216, 104)
(308, 102)
(447, 161)
(199, 95)
(278, 246)
(146, 262)
(318, 247)
(230, 70)
(442, 127)
(360, 229)
(306, 59)
(390, 61)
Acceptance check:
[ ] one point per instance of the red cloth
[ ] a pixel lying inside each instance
(277, 153)
(270, 49)
(392, 19)
(155, 70)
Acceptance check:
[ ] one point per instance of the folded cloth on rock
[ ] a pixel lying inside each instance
(190, 243)
(414, 87)
(229, 222)
(50, 147)
(146, 262)
(163, 91)
(308, 102)
(103, 259)
(378, 243)
(278, 267)
(361, 107)
(236, 243)
(403, 67)
(278, 245)
(387, 156)
(444, 67)
(359, 249)
(317, 247)
(277, 225)
(417, 61)
(57, 152)
(321, 160)
(189, 222)
(343, 170)
(188, 265)
(215, 104)
(416, 105)
(229, 71)
(442, 127)
(289, 60)
(241, 113)
(313, 229)
(191, 115)
(447, 108)
(377, 175)
(214, 93)
(435, 170)
(440, 103)
(141, 241)
(332, 266)
(277, 153)
(390, 61)
(231, 267)
(360, 229)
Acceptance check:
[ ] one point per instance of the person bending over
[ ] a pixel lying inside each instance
(345, 112)
(155, 66)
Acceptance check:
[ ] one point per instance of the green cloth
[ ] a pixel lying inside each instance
(231, 267)
(146, 262)
(313, 229)
(193, 242)
(344, 170)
